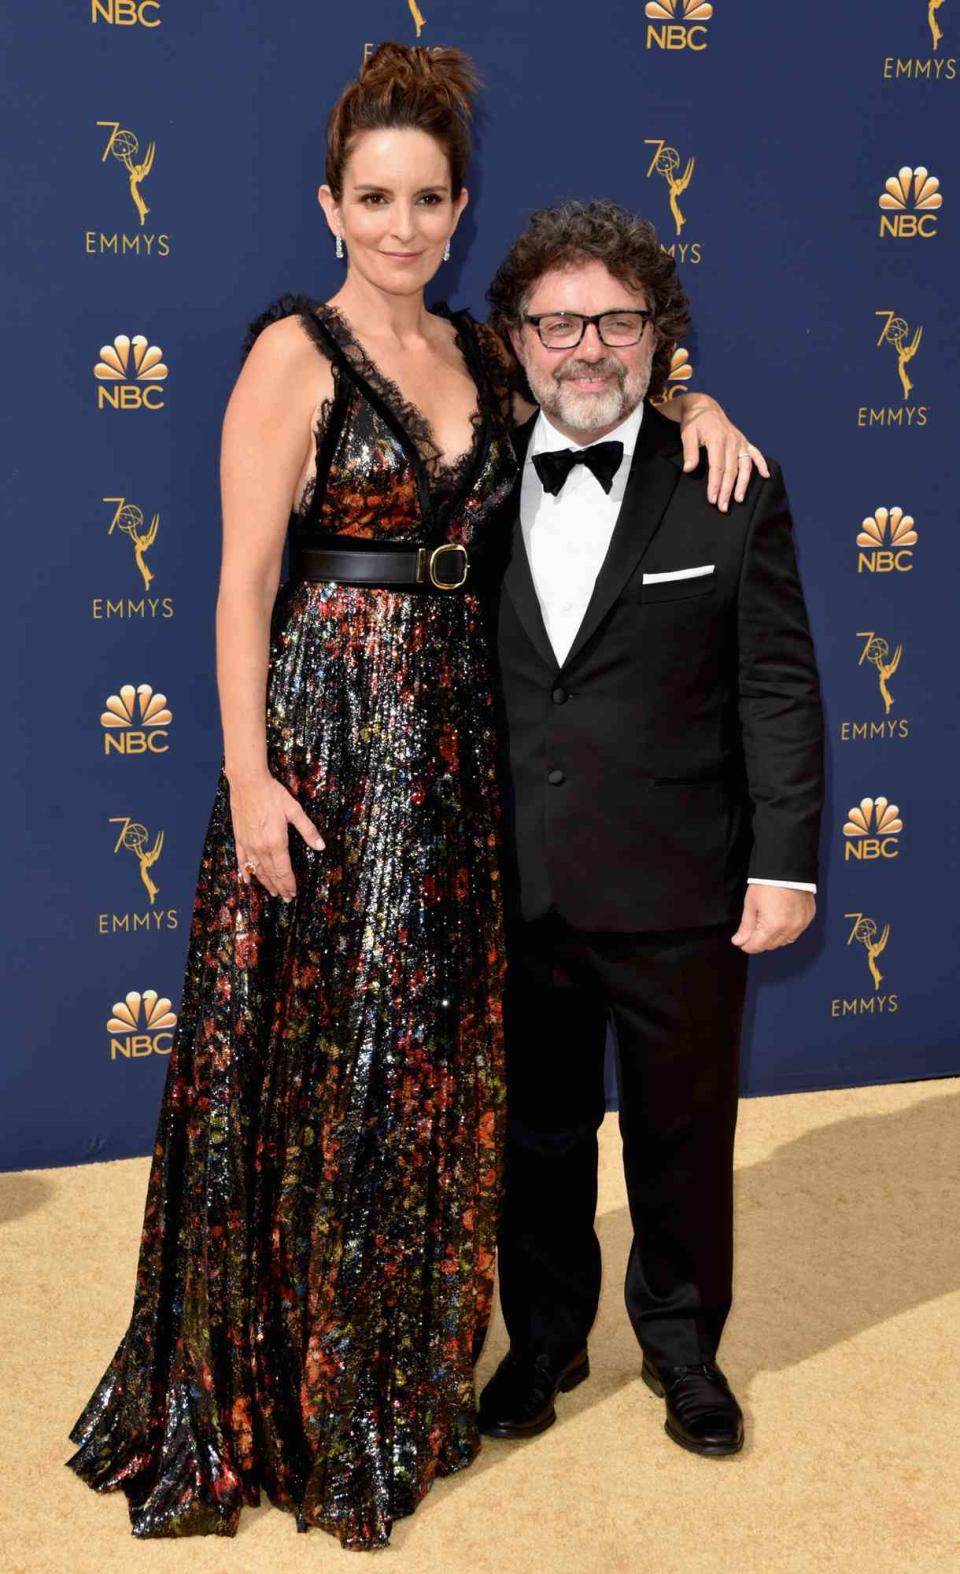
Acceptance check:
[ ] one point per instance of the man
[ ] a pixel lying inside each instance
(664, 726)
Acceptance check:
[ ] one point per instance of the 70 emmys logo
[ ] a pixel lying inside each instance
(866, 932)
(910, 201)
(141, 1024)
(680, 23)
(123, 711)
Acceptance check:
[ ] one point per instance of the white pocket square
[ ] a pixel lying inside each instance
(679, 573)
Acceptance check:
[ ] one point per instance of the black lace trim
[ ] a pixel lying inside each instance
(444, 475)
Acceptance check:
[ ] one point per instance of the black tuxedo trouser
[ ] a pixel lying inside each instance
(676, 1002)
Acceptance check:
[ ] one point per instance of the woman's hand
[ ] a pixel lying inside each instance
(262, 811)
(730, 457)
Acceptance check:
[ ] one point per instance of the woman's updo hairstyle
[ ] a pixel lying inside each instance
(406, 87)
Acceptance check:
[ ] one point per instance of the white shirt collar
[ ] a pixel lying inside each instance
(546, 436)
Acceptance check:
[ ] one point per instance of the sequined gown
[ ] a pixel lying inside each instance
(316, 1264)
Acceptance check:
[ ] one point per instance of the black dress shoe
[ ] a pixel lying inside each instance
(702, 1413)
(518, 1400)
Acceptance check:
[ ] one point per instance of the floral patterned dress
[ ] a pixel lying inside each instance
(316, 1265)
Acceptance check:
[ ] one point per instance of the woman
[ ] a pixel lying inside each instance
(316, 1264)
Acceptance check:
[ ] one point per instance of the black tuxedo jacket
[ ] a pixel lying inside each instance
(679, 748)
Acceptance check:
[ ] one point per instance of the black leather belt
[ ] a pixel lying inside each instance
(443, 567)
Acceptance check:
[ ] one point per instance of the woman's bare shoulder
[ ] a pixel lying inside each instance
(282, 353)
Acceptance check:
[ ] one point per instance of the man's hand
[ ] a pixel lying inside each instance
(773, 916)
(730, 457)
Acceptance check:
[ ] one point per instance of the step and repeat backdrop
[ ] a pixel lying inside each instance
(800, 163)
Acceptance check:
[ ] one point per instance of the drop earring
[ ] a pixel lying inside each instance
(446, 250)
(339, 244)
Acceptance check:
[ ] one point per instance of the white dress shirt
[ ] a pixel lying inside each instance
(567, 536)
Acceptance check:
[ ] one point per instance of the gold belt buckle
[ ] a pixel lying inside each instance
(426, 566)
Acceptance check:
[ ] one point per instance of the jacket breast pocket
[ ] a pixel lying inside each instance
(672, 588)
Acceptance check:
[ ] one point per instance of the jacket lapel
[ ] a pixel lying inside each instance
(656, 469)
(518, 580)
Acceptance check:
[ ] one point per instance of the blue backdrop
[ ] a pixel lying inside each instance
(164, 163)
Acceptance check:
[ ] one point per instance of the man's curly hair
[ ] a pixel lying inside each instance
(627, 245)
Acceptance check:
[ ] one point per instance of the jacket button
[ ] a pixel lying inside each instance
(556, 778)
(560, 696)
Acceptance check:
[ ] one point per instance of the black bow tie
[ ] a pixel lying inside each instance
(603, 459)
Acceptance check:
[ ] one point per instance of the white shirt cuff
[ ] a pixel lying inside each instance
(785, 885)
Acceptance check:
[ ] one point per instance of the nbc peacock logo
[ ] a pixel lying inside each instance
(678, 377)
(677, 24)
(910, 202)
(136, 721)
(885, 542)
(128, 373)
(141, 1024)
(872, 830)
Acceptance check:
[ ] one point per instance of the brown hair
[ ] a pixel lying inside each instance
(627, 245)
(404, 86)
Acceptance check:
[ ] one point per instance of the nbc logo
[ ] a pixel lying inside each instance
(135, 721)
(872, 830)
(116, 366)
(910, 202)
(678, 377)
(141, 1024)
(677, 24)
(886, 539)
(126, 13)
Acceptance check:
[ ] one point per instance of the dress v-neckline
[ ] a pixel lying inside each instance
(408, 416)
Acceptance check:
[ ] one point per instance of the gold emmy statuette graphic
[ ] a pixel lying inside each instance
(896, 332)
(129, 519)
(877, 652)
(134, 838)
(419, 20)
(910, 201)
(666, 162)
(141, 1024)
(119, 720)
(677, 24)
(678, 377)
(936, 31)
(124, 147)
(886, 538)
(871, 830)
(864, 931)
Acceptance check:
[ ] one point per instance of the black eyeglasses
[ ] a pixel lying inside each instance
(564, 330)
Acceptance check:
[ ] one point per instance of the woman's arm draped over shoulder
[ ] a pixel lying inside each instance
(266, 452)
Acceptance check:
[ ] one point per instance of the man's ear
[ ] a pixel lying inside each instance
(516, 339)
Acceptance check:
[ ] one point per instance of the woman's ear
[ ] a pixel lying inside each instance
(331, 209)
(458, 207)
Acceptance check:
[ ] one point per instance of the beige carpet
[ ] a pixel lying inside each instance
(843, 1346)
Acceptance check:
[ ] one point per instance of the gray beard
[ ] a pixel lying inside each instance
(590, 412)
